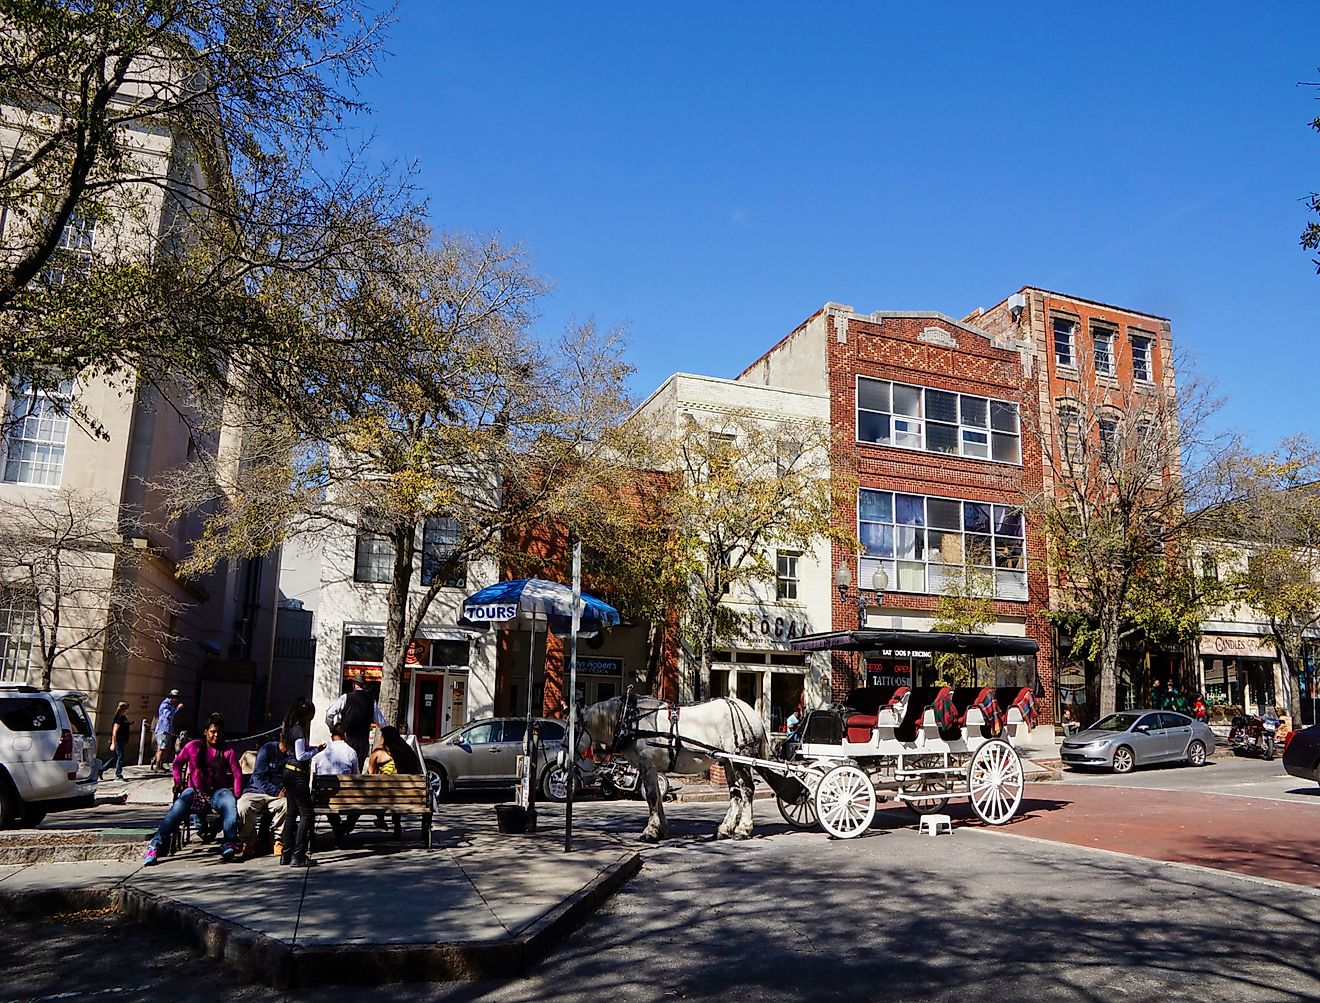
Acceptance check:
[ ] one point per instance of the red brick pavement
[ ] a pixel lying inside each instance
(1256, 836)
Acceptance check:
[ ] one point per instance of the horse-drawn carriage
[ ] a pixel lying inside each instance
(918, 745)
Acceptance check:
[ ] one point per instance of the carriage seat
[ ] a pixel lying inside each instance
(889, 714)
(1021, 709)
(919, 700)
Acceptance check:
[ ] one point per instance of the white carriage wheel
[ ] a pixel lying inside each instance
(994, 782)
(845, 802)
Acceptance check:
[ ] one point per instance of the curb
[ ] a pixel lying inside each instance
(287, 966)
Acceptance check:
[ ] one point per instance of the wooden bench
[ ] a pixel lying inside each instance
(399, 794)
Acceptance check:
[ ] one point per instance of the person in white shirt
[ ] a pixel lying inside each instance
(337, 758)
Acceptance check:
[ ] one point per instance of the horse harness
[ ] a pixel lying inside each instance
(628, 728)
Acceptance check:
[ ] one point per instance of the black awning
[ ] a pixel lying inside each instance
(915, 640)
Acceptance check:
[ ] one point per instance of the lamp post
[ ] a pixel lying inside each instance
(879, 582)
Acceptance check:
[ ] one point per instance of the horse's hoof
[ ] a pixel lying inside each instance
(649, 837)
(742, 835)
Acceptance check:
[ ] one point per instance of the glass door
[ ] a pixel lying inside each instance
(455, 708)
(428, 693)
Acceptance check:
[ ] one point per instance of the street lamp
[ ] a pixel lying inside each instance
(879, 582)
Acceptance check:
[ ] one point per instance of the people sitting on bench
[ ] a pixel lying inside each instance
(335, 759)
(214, 782)
(264, 799)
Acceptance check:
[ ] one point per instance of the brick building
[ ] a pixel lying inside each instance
(1111, 363)
(933, 411)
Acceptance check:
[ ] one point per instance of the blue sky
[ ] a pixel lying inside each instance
(710, 174)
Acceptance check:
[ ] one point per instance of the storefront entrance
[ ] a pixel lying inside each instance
(439, 703)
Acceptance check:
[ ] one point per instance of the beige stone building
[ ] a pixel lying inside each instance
(220, 629)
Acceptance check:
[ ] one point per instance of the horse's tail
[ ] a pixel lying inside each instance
(764, 752)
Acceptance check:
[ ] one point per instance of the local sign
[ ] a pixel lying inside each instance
(491, 612)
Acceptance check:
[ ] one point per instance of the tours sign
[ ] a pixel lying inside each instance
(495, 612)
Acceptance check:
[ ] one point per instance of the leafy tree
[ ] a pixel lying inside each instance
(735, 490)
(66, 570)
(1130, 476)
(965, 607)
(1275, 514)
(160, 164)
(427, 397)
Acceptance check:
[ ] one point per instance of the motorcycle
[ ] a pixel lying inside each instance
(1251, 735)
(614, 778)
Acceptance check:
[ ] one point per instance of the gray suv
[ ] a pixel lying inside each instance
(47, 754)
(484, 754)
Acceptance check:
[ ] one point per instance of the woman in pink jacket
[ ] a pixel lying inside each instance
(213, 780)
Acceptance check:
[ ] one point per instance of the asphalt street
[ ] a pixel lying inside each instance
(796, 916)
(1220, 775)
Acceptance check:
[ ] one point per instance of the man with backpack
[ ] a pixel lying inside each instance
(356, 711)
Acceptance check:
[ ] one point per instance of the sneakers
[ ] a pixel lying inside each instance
(228, 852)
(149, 858)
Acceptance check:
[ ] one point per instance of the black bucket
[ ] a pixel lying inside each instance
(511, 818)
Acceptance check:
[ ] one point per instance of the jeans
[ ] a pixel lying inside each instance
(223, 801)
(116, 760)
(297, 837)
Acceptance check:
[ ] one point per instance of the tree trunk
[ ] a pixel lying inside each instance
(397, 635)
(1109, 632)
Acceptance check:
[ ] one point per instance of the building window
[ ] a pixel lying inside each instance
(72, 257)
(1209, 568)
(1064, 341)
(925, 543)
(1108, 439)
(17, 627)
(440, 536)
(40, 430)
(937, 421)
(1141, 369)
(374, 559)
(786, 574)
(1102, 346)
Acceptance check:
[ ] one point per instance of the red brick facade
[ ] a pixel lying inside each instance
(907, 349)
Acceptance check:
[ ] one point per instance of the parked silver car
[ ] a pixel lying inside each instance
(1123, 741)
(47, 753)
(484, 754)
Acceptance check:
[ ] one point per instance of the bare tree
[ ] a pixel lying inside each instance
(1129, 475)
(76, 581)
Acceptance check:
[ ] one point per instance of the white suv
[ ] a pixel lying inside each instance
(47, 754)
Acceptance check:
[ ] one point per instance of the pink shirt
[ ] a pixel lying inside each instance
(207, 769)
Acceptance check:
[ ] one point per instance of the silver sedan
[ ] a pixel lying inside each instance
(1134, 738)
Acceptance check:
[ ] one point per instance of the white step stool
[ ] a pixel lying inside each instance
(932, 824)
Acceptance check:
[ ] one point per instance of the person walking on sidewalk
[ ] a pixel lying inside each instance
(295, 841)
(214, 780)
(357, 710)
(119, 729)
(165, 730)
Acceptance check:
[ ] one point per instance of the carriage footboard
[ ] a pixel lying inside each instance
(787, 787)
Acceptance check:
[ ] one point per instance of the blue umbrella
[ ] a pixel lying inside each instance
(537, 601)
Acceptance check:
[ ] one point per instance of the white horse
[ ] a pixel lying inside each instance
(659, 737)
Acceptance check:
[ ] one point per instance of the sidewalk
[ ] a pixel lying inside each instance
(378, 910)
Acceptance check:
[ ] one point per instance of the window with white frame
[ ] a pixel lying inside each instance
(1065, 341)
(39, 432)
(72, 257)
(937, 421)
(1141, 367)
(17, 627)
(786, 574)
(1102, 350)
(925, 544)
(373, 560)
(440, 537)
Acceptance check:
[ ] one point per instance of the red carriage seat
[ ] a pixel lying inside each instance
(1025, 701)
(918, 700)
(948, 719)
(860, 726)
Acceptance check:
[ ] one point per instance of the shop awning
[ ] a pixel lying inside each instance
(979, 645)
